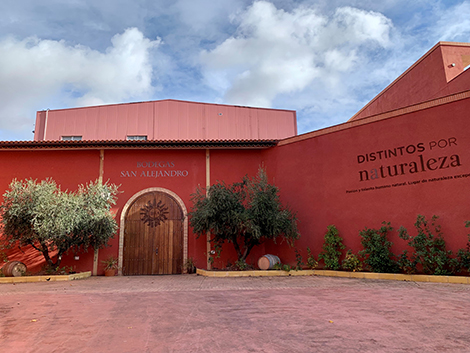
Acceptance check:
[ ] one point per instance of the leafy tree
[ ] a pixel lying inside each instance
(245, 214)
(331, 250)
(43, 216)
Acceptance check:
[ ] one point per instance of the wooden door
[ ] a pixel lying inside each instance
(153, 236)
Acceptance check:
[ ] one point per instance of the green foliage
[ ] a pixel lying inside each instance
(352, 262)
(244, 214)
(40, 214)
(331, 250)
(462, 260)
(190, 265)
(300, 264)
(311, 262)
(111, 263)
(241, 265)
(3, 255)
(405, 264)
(3, 258)
(376, 250)
(282, 267)
(56, 270)
(429, 249)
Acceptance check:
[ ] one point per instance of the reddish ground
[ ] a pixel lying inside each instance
(196, 314)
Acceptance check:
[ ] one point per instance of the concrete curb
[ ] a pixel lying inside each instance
(256, 273)
(52, 278)
(344, 274)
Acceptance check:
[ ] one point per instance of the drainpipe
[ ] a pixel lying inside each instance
(208, 184)
(45, 123)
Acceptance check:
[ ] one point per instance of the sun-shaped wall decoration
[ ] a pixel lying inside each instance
(154, 213)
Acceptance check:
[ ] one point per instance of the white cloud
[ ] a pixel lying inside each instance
(323, 58)
(279, 52)
(33, 71)
(454, 23)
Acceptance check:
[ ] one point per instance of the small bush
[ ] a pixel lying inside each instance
(190, 265)
(311, 262)
(241, 265)
(376, 253)
(331, 250)
(282, 267)
(429, 249)
(405, 264)
(462, 260)
(300, 264)
(352, 262)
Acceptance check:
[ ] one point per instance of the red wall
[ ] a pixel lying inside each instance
(119, 167)
(67, 168)
(231, 166)
(318, 178)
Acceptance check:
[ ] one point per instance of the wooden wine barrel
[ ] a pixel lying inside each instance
(14, 269)
(268, 261)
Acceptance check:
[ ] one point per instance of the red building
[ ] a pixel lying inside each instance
(405, 153)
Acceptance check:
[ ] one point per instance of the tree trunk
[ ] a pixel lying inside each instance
(246, 252)
(237, 249)
(45, 252)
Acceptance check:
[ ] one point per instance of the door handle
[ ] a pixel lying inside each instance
(156, 251)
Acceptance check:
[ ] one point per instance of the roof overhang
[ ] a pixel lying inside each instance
(170, 144)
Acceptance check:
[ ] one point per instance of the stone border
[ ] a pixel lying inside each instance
(45, 278)
(344, 274)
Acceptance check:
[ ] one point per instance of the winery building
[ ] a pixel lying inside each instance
(407, 152)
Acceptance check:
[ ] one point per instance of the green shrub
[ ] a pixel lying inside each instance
(311, 262)
(376, 253)
(283, 267)
(429, 249)
(300, 264)
(331, 250)
(352, 262)
(462, 260)
(190, 265)
(241, 265)
(405, 264)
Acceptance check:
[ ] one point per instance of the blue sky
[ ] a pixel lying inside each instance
(324, 59)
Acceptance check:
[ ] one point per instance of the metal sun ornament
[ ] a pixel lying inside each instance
(154, 213)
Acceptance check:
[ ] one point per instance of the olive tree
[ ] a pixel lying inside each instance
(245, 214)
(40, 214)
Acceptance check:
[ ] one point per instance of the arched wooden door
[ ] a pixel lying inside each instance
(153, 236)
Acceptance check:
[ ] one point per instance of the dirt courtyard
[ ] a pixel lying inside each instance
(189, 313)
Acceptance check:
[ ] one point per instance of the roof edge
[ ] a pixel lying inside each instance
(119, 144)
(436, 46)
(164, 100)
(379, 117)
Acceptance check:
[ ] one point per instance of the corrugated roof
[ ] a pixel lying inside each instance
(120, 144)
(166, 120)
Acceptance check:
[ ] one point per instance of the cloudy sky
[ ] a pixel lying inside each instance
(323, 58)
